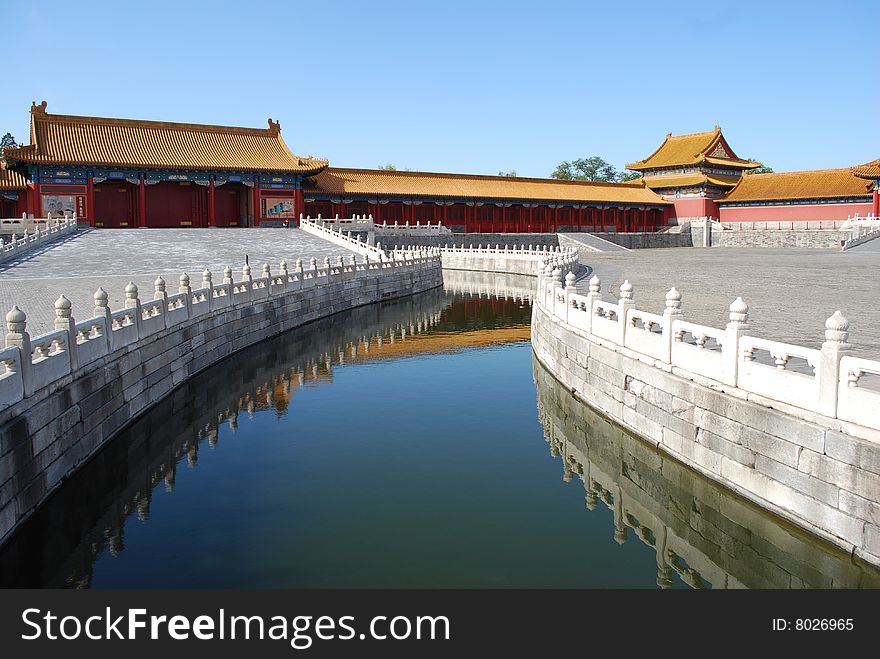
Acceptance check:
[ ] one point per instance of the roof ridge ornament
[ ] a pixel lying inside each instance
(274, 126)
(39, 110)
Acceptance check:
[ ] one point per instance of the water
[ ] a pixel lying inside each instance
(414, 444)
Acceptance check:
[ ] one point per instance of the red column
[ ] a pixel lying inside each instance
(445, 214)
(257, 211)
(90, 201)
(212, 221)
(299, 205)
(142, 203)
(556, 219)
(877, 199)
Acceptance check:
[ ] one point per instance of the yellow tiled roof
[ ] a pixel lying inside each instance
(655, 182)
(692, 149)
(367, 182)
(870, 170)
(10, 180)
(70, 140)
(813, 184)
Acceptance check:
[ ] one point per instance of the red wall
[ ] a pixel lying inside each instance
(695, 207)
(793, 212)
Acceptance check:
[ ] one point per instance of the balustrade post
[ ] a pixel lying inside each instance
(556, 285)
(184, 287)
(17, 335)
(298, 273)
(340, 264)
(833, 348)
(132, 302)
(64, 321)
(671, 313)
(570, 290)
(284, 274)
(102, 310)
(208, 285)
(593, 296)
(624, 304)
(327, 268)
(248, 281)
(730, 352)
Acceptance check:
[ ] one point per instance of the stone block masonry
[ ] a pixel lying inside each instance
(795, 430)
(64, 394)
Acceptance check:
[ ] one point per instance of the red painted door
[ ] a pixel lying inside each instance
(114, 204)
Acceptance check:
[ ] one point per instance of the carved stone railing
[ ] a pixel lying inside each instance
(328, 231)
(43, 231)
(861, 230)
(823, 381)
(30, 364)
(523, 260)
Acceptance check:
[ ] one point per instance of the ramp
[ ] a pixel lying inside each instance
(589, 242)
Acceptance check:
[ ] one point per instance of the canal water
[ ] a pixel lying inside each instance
(413, 444)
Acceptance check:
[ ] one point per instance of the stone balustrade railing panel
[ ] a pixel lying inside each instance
(44, 231)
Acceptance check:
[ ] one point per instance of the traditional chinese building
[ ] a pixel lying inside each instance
(132, 173)
(871, 172)
(692, 171)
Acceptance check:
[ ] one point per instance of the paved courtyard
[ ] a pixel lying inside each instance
(790, 292)
(78, 265)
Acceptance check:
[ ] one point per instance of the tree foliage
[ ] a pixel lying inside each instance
(7, 140)
(593, 168)
(512, 172)
(388, 167)
(763, 169)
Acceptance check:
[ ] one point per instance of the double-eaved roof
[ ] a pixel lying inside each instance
(58, 139)
(708, 147)
(785, 186)
(342, 182)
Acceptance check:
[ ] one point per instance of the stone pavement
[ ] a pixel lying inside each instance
(790, 292)
(112, 258)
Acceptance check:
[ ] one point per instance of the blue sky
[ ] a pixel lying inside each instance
(465, 86)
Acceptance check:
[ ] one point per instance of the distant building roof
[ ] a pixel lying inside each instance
(72, 140)
(782, 186)
(693, 149)
(10, 180)
(366, 182)
(870, 170)
(686, 180)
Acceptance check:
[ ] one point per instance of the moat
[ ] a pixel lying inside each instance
(414, 444)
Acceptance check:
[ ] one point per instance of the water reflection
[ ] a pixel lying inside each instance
(60, 544)
(698, 531)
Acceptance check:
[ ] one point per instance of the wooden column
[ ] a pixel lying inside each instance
(257, 211)
(142, 203)
(90, 200)
(877, 198)
(299, 205)
(212, 220)
(556, 219)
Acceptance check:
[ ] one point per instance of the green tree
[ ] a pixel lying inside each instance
(512, 172)
(388, 167)
(7, 140)
(763, 169)
(623, 177)
(593, 168)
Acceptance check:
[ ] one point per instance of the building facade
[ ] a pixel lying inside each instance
(132, 173)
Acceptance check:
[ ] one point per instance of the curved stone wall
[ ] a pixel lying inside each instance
(804, 445)
(65, 394)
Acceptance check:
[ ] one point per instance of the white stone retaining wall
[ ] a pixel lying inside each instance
(804, 443)
(66, 393)
(44, 231)
(523, 261)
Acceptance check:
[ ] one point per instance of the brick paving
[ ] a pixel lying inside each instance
(112, 258)
(790, 292)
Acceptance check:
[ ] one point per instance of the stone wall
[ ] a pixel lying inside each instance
(64, 395)
(545, 240)
(697, 529)
(648, 240)
(816, 470)
(813, 239)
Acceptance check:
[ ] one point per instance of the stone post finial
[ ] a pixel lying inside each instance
(207, 279)
(557, 275)
(131, 293)
(569, 280)
(159, 287)
(184, 283)
(16, 320)
(266, 270)
(282, 268)
(62, 311)
(626, 290)
(313, 263)
(246, 271)
(739, 313)
(673, 300)
(595, 285)
(836, 329)
(102, 308)
(339, 261)
(227, 275)
(326, 261)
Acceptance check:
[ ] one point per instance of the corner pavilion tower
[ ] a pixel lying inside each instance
(692, 170)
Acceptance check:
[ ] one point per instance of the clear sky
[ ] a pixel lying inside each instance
(465, 86)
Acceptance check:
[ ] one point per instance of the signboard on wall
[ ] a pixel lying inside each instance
(278, 207)
(61, 204)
